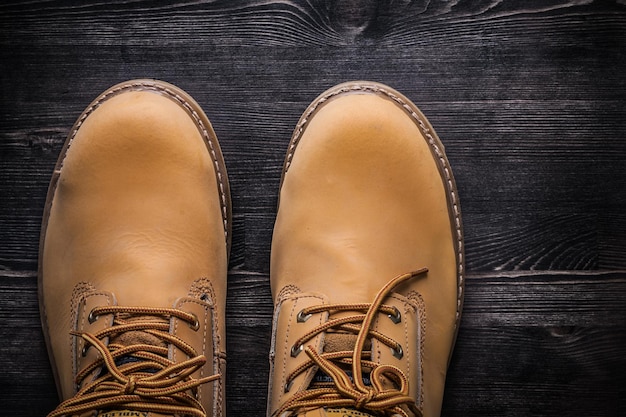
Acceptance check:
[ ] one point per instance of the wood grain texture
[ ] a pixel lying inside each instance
(529, 99)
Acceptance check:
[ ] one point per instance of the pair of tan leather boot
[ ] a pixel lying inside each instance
(366, 267)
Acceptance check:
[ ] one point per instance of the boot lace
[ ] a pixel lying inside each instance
(344, 390)
(149, 381)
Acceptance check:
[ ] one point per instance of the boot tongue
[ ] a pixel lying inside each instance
(338, 342)
(137, 337)
(341, 342)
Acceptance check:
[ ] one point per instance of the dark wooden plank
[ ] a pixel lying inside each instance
(293, 22)
(27, 380)
(540, 344)
(538, 371)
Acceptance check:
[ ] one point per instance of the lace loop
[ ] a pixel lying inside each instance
(352, 391)
(131, 383)
(149, 381)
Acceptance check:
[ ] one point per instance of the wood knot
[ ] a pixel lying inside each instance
(352, 17)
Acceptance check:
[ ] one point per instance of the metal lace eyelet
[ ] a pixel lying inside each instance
(397, 351)
(92, 317)
(396, 317)
(195, 325)
(295, 350)
(301, 317)
(288, 386)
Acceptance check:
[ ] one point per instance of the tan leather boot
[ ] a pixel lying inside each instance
(367, 261)
(133, 257)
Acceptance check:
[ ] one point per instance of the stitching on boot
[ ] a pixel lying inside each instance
(199, 288)
(287, 291)
(418, 301)
(81, 292)
(78, 294)
(206, 306)
(408, 309)
(274, 348)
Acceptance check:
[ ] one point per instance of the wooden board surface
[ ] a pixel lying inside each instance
(529, 99)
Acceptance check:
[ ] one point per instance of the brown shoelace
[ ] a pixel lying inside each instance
(150, 382)
(345, 391)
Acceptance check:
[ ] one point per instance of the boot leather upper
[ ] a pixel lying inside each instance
(365, 198)
(136, 219)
